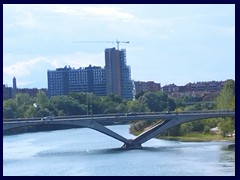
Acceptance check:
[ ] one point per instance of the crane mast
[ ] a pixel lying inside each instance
(120, 42)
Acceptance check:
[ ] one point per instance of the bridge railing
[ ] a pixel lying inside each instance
(121, 114)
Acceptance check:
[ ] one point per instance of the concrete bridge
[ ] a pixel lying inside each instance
(98, 123)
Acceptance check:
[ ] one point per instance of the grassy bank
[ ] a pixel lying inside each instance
(197, 137)
(193, 137)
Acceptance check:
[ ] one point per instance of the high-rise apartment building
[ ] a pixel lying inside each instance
(65, 80)
(118, 74)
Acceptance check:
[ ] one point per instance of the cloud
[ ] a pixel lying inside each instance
(23, 83)
(65, 9)
(97, 11)
(120, 20)
(22, 68)
(33, 71)
(77, 59)
(112, 12)
(154, 31)
(21, 18)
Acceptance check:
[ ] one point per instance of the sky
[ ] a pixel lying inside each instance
(169, 43)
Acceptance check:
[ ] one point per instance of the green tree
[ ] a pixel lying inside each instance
(226, 126)
(24, 99)
(155, 101)
(114, 98)
(136, 106)
(226, 100)
(31, 111)
(10, 109)
(174, 131)
(42, 100)
(121, 108)
(67, 104)
(138, 95)
(185, 128)
(23, 102)
(44, 112)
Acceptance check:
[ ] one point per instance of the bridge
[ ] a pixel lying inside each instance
(98, 123)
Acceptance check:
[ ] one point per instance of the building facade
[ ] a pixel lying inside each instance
(65, 80)
(31, 91)
(118, 74)
(210, 86)
(170, 88)
(141, 86)
(10, 92)
(7, 92)
(199, 89)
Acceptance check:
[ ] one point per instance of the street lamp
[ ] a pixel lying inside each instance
(87, 103)
(91, 106)
(168, 107)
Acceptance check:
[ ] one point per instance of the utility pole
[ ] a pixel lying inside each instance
(91, 107)
(91, 104)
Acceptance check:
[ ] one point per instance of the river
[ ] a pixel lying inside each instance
(85, 152)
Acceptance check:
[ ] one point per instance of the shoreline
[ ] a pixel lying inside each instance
(196, 138)
(193, 137)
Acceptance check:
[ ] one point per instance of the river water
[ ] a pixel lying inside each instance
(85, 152)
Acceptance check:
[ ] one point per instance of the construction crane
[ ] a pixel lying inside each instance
(103, 42)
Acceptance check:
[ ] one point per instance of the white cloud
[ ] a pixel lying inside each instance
(22, 68)
(21, 18)
(65, 9)
(48, 30)
(76, 60)
(112, 12)
(23, 83)
(96, 11)
(32, 72)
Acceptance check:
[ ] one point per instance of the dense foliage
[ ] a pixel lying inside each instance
(225, 100)
(25, 106)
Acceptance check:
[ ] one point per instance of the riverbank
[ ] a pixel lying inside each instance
(193, 137)
(197, 137)
(37, 128)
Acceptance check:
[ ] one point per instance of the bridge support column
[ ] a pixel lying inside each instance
(132, 145)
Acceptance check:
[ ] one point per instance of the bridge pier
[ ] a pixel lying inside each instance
(132, 145)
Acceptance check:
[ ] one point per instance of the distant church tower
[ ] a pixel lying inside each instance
(14, 91)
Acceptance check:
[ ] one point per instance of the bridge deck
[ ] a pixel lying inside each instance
(99, 122)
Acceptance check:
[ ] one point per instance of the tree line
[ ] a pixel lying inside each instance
(225, 100)
(26, 106)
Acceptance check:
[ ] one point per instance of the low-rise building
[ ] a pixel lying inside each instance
(141, 86)
(7, 92)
